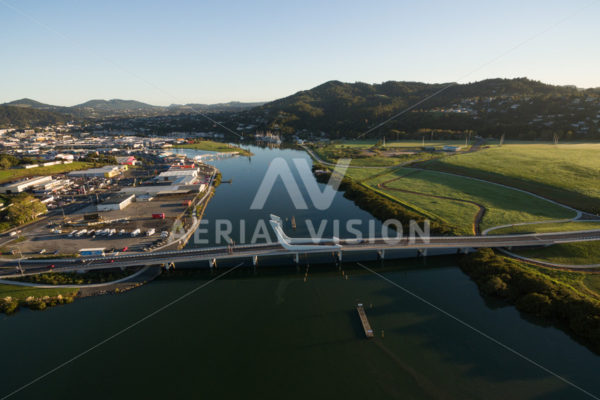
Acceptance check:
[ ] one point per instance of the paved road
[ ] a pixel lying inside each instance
(30, 267)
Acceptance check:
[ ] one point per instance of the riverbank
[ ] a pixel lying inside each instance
(210, 145)
(49, 290)
(559, 300)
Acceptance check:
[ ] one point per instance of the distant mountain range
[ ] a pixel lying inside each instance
(490, 107)
(32, 112)
(23, 117)
(520, 108)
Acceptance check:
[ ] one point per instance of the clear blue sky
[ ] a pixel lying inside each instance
(161, 52)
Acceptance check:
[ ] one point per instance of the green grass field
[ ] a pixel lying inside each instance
(545, 228)
(22, 292)
(333, 152)
(365, 144)
(502, 205)
(567, 173)
(582, 253)
(361, 174)
(210, 145)
(586, 283)
(11, 174)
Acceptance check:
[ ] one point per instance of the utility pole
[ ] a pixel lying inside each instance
(20, 258)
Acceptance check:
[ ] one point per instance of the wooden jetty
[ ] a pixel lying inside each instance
(364, 320)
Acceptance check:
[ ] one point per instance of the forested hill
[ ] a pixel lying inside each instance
(28, 117)
(517, 107)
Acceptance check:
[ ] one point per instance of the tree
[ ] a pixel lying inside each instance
(8, 161)
(24, 208)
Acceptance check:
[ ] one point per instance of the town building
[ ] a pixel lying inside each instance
(116, 202)
(21, 186)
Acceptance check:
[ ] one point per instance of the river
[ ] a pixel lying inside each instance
(278, 331)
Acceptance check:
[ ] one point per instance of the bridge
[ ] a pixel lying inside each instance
(292, 247)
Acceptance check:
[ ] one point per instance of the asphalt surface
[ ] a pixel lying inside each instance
(8, 268)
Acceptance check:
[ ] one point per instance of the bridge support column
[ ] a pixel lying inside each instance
(381, 254)
(212, 263)
(422, 253)
(297, 258)
(339, 256)
(170, 265)
(254, 261)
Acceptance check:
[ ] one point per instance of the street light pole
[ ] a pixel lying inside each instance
(20, 258)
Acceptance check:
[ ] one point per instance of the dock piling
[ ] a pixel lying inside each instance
(364, 320)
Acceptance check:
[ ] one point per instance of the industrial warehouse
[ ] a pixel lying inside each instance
(116, 207)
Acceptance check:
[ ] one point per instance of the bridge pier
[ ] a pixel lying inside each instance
(464, 250)
(422, 253)
(254, 261)
(169, 265)
(212, 263)
(381, 254)
(338, 256)
(297, 258)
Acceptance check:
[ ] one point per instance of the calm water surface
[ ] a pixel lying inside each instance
(270, 333)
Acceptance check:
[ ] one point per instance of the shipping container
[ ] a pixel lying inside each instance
(158, 216)
(91, 217)
(92, 252)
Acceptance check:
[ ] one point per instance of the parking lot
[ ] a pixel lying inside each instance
(49, 236)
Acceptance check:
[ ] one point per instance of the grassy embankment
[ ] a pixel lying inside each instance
(502, 205)
(549, 227)
(567, 173)
(370, 153)
(584, 253)
(17, 173)
(210, 145)
(456, 201)
(12, 297)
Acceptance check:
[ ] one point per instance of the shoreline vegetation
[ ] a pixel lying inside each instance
(12, 297)
(210, 145)
(561, 298)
